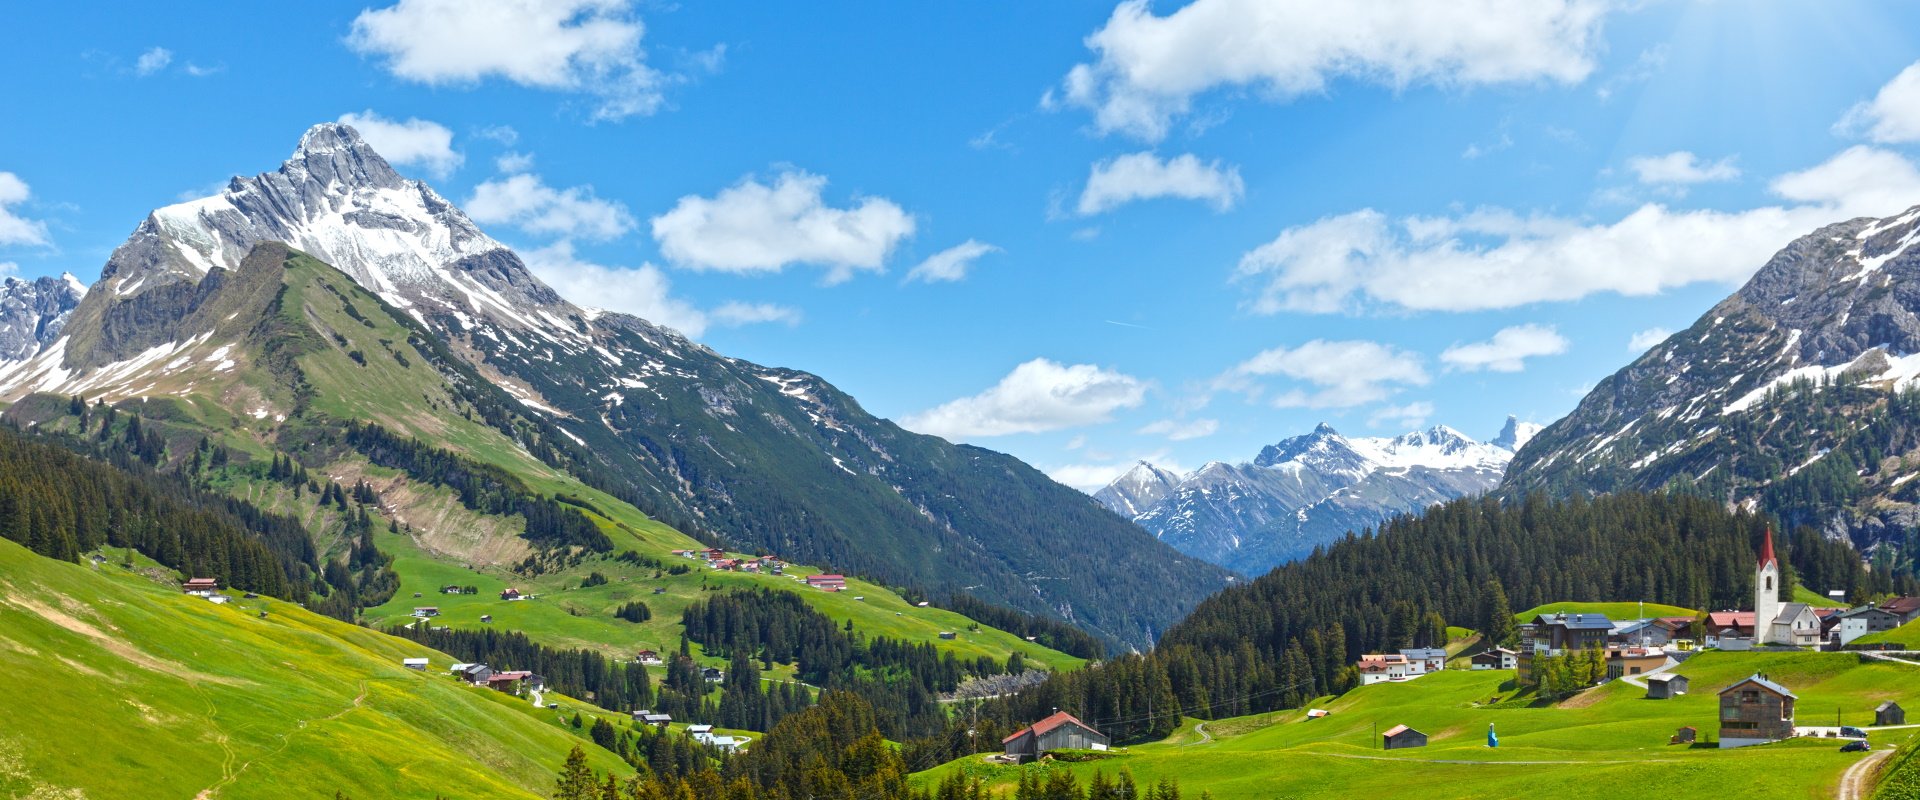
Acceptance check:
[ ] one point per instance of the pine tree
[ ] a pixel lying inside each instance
(576, 781)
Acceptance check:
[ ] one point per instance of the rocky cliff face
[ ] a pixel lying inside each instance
(1303, 492)
(1786, 395)
(32, 313)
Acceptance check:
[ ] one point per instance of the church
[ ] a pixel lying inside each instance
(1774, 622)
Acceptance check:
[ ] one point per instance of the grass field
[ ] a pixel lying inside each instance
(1908, 634)
(1614, 611)
(122, 687)
(1607, 737)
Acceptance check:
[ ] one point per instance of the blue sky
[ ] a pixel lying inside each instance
(1078, 232)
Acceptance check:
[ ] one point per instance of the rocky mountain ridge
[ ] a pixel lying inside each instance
(1305, 491)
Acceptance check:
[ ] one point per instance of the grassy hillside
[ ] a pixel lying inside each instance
(126, 688)
(322, 350)
(1609, 736)
(1612, 610)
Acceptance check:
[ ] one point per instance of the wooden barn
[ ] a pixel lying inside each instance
(1686, 735)
(1666, 686)
(1401, 737)
(1061, 731)
(1889, 713)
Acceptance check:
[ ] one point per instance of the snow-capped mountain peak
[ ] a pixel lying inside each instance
(1302, 491)
(1516, 434)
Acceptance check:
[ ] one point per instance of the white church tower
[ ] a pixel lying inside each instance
(1766, 592)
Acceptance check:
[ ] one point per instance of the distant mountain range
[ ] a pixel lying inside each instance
(1307, 491)
(453, 330)
(1793, 395)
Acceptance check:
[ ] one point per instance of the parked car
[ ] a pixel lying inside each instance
(1852, 732)
(1855, 746)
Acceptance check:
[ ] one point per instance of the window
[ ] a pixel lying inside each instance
(1769, 583)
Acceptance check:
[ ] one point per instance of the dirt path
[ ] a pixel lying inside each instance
(1856, 782)
(1205, 737)
(232, 772)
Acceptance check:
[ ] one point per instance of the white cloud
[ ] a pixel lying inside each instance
(1495, 258)
(1339, 374)
(410, 142)
(642, 291)
(1892, 116)
(736, 314)
(199, 71)
(152, 61)
(1040, 395)
(1144, 176)
(1642, 341)
(753, 227)
(510, 163)
(1179, 430)
(504, 134)
(1681, 167)
(952, 263)
(1148, 69)
(1508, 350)
(584, 46)
(15, 229)
(528, 203)
(1410, 416)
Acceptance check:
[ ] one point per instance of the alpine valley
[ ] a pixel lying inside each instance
(1307, 491)
(214, 309)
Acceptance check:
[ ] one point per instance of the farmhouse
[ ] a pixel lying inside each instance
(1666, 687)
(1728, 624)
(426, 611)
(476, 674)
(1400, 737)
(1553, 633)
(200, 586)
(514, 683)
(713, 554)
(828, 583)
(1429, 659)
(713, 675)
(510, 593)
(649, 658)
(649, 717)
(1755, 711)
(1907, 608)
(452, 590)
(1384, 667)
(1060, 731)
(1497, 658)
(414, 663)
(1889, 713)
(1858, 622)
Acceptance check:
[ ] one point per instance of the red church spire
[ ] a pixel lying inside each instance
(1766, 549)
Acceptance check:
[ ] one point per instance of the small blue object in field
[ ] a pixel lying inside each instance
(1493, 739)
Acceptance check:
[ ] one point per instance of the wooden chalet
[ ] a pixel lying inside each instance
(200, 586)
(1060, 731)
(509, 593)
(1755, 711)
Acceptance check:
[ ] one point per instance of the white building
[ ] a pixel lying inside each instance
(1766, 598)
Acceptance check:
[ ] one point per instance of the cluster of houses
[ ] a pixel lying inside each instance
(1402, 666)
(717, 558)
(513, 682)
(702, 734)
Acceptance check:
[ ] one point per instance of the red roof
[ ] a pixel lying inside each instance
(1902, 605)
(841, 578)
(1042, 727)
(192, 582)
(1766, 549)
(1718, 620)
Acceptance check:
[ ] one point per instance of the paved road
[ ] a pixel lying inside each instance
(1640, 680)
(1856, 783)
(1205, 737)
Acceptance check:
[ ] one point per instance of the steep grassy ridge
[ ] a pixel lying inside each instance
(125, 688)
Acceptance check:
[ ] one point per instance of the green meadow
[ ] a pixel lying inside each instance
(123, 687)
(1609, 736)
